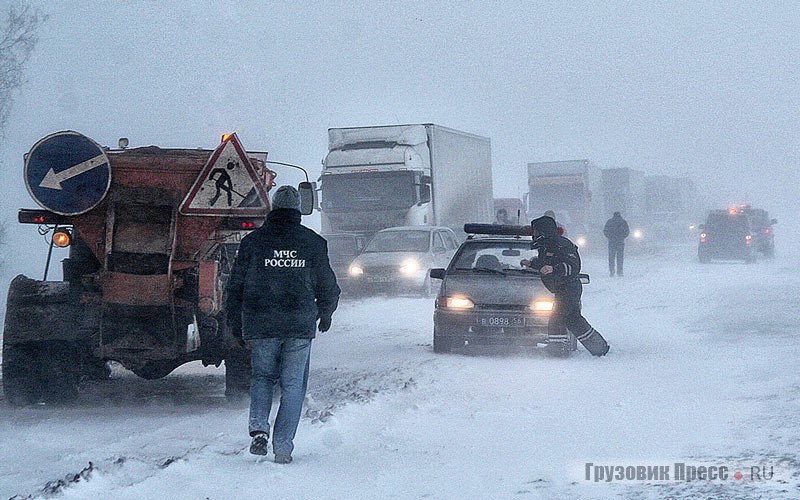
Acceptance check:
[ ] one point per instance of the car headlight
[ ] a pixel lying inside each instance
(543, 306)
(637, 234)
(580, 241)
(356, 270)
(455, 302)
(409, 266)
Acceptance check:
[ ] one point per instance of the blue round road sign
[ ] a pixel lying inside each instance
(67, 173)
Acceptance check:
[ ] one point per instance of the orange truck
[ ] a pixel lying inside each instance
(152, 235)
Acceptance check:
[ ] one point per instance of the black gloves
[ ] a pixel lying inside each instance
(324, 323)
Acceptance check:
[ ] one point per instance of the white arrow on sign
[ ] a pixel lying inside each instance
(53, 180)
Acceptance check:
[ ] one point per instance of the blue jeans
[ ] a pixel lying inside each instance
(287, 360)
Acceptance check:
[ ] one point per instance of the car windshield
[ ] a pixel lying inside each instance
(399, 241)
(493, 255)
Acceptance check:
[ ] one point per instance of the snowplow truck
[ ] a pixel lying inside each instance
(152, 235)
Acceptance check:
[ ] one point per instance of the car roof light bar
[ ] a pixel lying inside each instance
(499, 229)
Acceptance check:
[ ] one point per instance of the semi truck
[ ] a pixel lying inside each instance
(572, 189)
(378, 177)
(152, 234)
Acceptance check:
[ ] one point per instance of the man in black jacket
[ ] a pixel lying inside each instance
(616, 230)
(280, 285)
(559, 266)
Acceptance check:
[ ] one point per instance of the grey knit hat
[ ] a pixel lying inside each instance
(286, 197)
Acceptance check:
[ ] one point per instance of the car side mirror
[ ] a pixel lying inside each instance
(308, 197)
(437, 273)
(584, 278)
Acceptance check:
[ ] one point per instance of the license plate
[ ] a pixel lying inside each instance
(380, 279)
(501, 321)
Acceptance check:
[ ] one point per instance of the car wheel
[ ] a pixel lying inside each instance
(441, 344)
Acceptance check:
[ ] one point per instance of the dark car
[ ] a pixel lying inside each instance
(761, 225)
(488, 298)
(342, 250)
(727, 234)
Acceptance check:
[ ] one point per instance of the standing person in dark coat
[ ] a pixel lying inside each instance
(280, 285)
(559, 266)
(616, 230)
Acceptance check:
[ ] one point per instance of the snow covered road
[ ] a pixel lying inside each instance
(702, 371)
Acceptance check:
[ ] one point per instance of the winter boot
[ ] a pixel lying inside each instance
(259, 444)
(594, 342)
(283, 459)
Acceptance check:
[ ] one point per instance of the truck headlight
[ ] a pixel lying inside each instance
(580, 241)
(356, 270)
(637, 234)
(409, 266)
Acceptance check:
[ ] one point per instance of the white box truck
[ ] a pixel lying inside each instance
(573, 190)
(404, 175)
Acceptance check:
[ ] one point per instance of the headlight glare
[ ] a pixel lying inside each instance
(459, 302)
(356, 270)
(544, 306)
(409, 266)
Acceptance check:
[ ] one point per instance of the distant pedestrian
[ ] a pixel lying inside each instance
(559, 266)
(616, 230)
(501, 217)
(280, 285)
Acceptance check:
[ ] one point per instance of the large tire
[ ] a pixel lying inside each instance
(237, 373)
(36, 372)
(21, 385)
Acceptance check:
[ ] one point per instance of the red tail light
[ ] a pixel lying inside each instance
(702, 237)
(767, 231)
(748, 239)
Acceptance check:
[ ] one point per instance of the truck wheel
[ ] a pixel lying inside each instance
(21, 385)
(237, 373)
(36, 372)
(58, 369)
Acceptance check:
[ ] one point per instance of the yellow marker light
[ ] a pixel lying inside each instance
(355, 270)
(410, 266)
(225, 137)
(542, 306)
(459, 302)
(61, 239)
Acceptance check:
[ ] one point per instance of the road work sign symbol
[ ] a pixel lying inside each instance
(228, 185)
(67, 173)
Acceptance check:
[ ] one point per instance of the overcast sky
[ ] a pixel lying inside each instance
(708, 89)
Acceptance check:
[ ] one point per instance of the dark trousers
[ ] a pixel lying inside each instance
(616, 254)
(567, 313)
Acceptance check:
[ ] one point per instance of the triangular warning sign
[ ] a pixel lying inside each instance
(228, 185)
